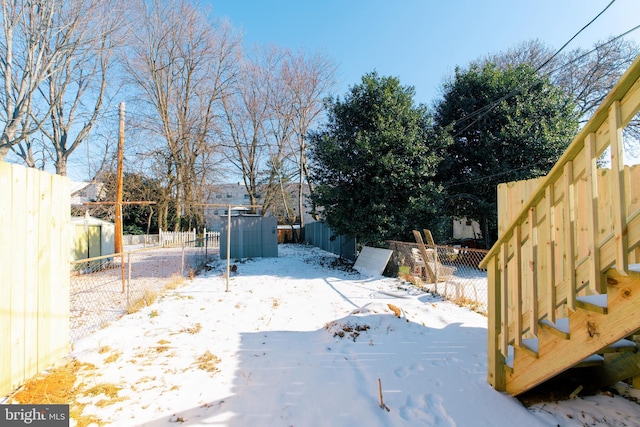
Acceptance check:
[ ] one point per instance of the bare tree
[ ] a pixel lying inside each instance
(586, 76)
(533, 52)
(182, 65)
(278, 97)
(253, 144)
(308, 79)
(27, 59)
(74, 95)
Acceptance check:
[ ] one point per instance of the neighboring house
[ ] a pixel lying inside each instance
(235, 194)
(464, 228)
(82, 192)
(90, 237)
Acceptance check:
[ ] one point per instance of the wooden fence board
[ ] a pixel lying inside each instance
(60, 267)
(46, 238)
(17, 273)
(5, 278)
(32, 211)
(34, 272)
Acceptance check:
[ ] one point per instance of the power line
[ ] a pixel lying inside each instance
(575, 35)
(483, 111)
(495, 175)
(587, 53)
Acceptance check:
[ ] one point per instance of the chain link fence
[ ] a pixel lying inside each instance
(107, 287)
(449, 271)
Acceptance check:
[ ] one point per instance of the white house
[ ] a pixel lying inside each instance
(236, 196)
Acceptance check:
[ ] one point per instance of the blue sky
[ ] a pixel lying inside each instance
(421, 41)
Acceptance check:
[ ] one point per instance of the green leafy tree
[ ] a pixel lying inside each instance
(137, 218)
(506, 124)
(374, 162)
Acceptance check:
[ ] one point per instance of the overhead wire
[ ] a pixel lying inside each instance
(575, 35)
(493, 104)
(481, 112)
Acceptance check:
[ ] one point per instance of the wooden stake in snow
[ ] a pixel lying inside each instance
(575, 392)
(382, 405)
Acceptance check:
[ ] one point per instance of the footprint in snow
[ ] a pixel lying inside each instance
(428, 409)
(401, 372)
(417, 367)
(405, 371)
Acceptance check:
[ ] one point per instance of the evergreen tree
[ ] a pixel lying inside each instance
(374, 162)
(506, 125)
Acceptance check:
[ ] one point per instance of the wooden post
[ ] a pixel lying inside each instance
(516, 288)
(496, 327)
(118, 231)
(118, 225)
(382, 405)
(591, 174)
(569, 223)
(129, 278)
(182, 261)
(617, 189)
(550, 259)
(533, 248)
(206, 241)
(228, 244)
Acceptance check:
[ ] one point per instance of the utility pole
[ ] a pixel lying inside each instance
(118, 233)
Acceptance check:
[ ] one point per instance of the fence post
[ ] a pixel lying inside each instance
(206, 241)
(122, 270)
(182, 264)
(129, 279)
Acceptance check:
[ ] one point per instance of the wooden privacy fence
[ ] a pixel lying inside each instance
(560, 234)
(34, 272)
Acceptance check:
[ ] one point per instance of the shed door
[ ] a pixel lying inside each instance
(94, 241)
(80, 243)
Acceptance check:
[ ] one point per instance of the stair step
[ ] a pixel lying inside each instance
(594, 360)
(589, 332)
(530, 346)
(595, 303)
(621, 346)
(560, 328)
(508, 362)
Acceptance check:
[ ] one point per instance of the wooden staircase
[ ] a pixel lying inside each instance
(562, 285)
(592, 330)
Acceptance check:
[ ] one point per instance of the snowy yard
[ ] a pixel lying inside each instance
(296, 342)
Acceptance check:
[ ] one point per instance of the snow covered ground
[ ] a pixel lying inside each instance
(295, 342)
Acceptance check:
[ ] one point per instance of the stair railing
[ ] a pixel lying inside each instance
(579, 222)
